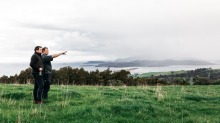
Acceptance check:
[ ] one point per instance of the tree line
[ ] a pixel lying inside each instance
(201, 76)
(73, 76)
(79, 76)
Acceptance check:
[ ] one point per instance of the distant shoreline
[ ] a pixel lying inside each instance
(11, 69)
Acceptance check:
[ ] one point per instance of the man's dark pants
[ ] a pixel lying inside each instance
(47, 81)
(38, 87)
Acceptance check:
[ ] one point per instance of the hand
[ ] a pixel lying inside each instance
(64, 53)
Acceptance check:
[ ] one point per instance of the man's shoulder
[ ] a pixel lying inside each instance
(34, 55)
(44, 55)
(47, 57)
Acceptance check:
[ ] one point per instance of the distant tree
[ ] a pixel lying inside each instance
(64, 75)
(4, 79)
(121, 75)
(94, 77)
(25, 76)
(200, 81)
(106, 76)
(180, 81)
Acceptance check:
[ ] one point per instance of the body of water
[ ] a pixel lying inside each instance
(15, 68)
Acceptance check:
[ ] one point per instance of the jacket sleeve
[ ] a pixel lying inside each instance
(34, 60)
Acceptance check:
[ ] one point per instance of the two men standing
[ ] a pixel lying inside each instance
(42, 72)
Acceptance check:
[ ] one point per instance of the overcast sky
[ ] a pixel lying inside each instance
(110, 29)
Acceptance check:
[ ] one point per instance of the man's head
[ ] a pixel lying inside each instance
(45, 51)
(38, 49)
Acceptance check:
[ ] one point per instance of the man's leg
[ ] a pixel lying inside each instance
(35, 89)
(40, 86)
(47, 80)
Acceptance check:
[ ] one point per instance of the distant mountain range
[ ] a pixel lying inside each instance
(146, 63)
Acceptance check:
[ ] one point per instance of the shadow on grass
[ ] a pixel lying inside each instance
(130, 110)
(112, 94)
(15, 96)
(71, 94)
(200, 98)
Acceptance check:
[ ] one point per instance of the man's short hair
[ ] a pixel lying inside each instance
(44, 49)
(37, 48)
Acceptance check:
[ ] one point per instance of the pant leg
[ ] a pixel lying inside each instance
(35, 89)
(47, 81)
(39, 86)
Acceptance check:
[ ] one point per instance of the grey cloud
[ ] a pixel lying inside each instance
(48, 27)
(154, 29)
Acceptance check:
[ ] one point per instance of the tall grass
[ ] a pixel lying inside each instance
(187, 104)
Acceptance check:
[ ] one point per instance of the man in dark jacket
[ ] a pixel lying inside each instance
(37, 68)
(48, 69)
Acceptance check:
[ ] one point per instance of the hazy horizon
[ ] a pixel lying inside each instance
(10, 69)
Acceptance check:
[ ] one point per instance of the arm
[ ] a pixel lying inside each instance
(33, 64)
(58, 54)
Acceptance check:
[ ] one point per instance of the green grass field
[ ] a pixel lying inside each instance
(94, 104)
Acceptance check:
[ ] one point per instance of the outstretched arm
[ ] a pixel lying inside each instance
(58, 54)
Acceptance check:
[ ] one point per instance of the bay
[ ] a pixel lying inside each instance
(10, 69)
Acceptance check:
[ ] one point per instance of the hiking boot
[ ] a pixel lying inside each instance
(40, 102)
(35, 101)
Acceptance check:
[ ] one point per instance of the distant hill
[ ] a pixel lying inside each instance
(152, 63)
(94, 62)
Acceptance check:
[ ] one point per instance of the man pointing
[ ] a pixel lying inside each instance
(48, 69)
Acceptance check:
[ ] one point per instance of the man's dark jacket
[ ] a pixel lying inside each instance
(36, 62)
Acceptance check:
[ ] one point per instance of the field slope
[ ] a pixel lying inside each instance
(89, 104)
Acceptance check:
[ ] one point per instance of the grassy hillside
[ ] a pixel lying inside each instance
(150, 74)
(80, 104)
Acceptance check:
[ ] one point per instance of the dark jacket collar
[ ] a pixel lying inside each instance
(38, 53)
